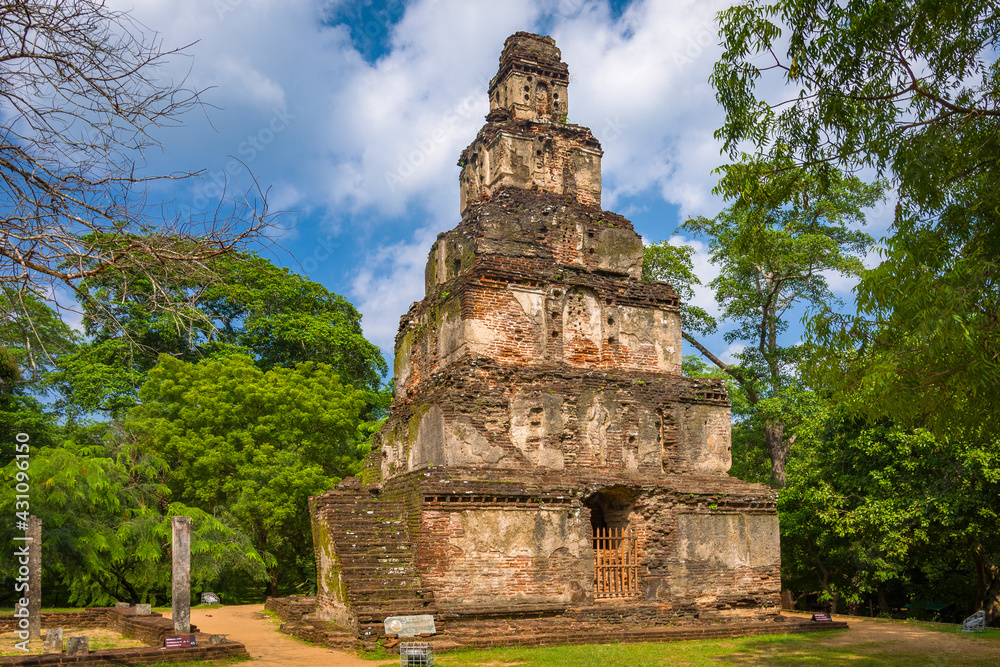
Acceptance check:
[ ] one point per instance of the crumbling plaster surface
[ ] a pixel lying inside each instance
(511, 556)
(727, 555)
(558, 418)
(728, 540)
(560, 159)
(705, 432)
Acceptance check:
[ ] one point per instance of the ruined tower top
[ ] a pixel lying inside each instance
(531, 82)
(527, 141)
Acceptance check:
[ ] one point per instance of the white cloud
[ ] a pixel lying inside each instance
(370, 148)
(729, 354)
(392, 279)
(648, 73)
(248, 84)
(396, 127)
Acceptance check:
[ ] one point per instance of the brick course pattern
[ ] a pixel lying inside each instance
(539, 398)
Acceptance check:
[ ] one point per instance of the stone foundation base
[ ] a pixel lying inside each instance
(599, 624)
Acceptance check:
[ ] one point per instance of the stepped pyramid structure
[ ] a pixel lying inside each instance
(544, 456)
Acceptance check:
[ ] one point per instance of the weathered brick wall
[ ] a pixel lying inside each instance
(484, 553)
(147, 655)
(710, 547)
(150, 629)
(95, 617)
(558, 159)
(532, 80)
(332, 603)
(560, 418)
(510, 540)
(529, 280)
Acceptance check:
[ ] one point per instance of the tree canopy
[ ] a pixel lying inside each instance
(251, 444)
(878, 510)
(245, 304)
(106, 520)
(910, 90)
(774, 249)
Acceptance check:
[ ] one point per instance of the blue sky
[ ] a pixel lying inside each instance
(353, 114)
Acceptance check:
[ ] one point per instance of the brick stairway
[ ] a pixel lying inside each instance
(296, 614)
(373, 546)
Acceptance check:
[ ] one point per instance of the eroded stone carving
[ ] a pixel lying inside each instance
(536, 427)
(428, 448)
(467, 446)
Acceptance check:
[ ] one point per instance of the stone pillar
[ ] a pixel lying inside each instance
(33, 533)
(180, 602)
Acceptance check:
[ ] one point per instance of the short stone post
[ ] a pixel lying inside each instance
(77, 646)
(33, 533)
(53, 641)
(180, 602)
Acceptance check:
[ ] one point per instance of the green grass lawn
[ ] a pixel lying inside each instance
(774, 650)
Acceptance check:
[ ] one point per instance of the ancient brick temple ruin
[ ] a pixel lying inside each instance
(544, 457)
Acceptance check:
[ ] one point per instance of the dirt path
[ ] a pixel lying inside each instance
(905, 637)
(267, 645)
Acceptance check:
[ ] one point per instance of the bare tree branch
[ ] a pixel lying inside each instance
(80, 94)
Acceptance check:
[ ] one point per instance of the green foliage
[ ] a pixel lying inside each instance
(910, 90)
(107, 523)
(252, 445)
(672, 264)
(874, 509)
(32, 338)
(774, 249)
(774, 246)
(243, 303)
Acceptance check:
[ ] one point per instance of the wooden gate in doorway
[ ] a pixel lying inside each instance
(616, 568)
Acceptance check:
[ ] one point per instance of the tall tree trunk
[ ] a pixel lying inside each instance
(988, 592)
(824, 580)
(883, 604)
(272, 584)
(777, 449)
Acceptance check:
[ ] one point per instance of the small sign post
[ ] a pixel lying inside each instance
(822, 617)
(410, 626)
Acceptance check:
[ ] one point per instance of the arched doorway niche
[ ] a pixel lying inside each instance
(616, 562)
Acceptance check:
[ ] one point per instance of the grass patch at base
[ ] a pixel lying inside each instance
(773, 650)
(98, 639)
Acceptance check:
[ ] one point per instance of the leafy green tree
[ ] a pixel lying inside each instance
(32, 340)
(242, 303)
(252, 445)
(107, 522)
(871, 509)
(32, 337)
(672, 264)
(912, 91)
(774, 248)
